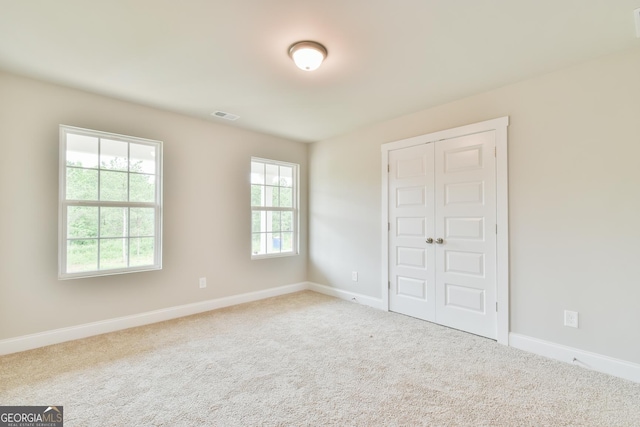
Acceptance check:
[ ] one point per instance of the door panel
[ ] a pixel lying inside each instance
(463, 158)
(466, 216)
(464, 263)
(411, 215)
(461, 297)
(410, 227)
(462, 228)
(414, 288)
(466, 192)
(411, 257)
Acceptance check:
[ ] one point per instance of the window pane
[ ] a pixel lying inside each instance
(113, 186)
(82, 184)
(256, 195)
(114, 155)
(141, 251)
(113, 253)
(257, 173)
(286, 200)
(142, 188)
(286, 176)
(257, 224)
(286, 221)
(142, 222)
(287, 242)
(258, 243)
(272, 175)
(273, 243)
(82, 151)
(113, 222)
(273, 221)
(273, 186)
(272, 196)
(82, 255)
(82, 222)
(142, 158)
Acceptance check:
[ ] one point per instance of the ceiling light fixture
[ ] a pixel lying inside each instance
(307, 55)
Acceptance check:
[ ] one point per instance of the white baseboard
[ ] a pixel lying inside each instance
(597, 362)
(346, 295)
(56, 336)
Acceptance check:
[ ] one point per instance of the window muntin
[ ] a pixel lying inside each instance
(274, 206)
(110, 203)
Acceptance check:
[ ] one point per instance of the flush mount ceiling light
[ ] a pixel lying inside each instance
(307, 55)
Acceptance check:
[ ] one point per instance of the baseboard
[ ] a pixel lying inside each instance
(597, 362)
(346, 295)
(56, 336)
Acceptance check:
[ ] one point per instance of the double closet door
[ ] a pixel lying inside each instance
(442, 232)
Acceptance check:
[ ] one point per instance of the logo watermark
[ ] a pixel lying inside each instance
(31, 416)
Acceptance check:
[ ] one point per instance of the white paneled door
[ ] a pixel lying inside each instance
(442, 232)
(411, 221)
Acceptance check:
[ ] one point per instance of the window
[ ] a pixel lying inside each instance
(274, 206)
(110, 218)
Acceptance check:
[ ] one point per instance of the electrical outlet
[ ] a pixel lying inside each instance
(571, 318)
(354, 276)
(203, 282)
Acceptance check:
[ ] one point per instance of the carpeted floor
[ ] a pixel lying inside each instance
(306, 359)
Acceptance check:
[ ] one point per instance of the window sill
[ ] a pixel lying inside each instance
(268, 256)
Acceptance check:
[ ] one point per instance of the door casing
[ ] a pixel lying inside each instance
(498, 125)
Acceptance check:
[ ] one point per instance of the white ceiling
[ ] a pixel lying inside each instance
(386, 57)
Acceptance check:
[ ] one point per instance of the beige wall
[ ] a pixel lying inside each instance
(574, 145)
(206, 214)
(574, 201)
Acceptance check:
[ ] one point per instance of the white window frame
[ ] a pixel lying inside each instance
(295, 196)
(63, 204)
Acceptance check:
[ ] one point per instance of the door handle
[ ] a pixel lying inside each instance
(429, 240)
(439, 240)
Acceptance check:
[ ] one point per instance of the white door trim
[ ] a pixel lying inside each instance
(498, 125)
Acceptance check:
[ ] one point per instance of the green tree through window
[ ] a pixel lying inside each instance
(110, 204)
(274, 208)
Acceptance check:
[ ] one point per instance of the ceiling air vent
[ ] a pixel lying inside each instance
(226, 116)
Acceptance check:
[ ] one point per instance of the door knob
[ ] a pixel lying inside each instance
(439, 240)
(429, 240)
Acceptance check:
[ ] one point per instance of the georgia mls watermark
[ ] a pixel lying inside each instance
(31, 416)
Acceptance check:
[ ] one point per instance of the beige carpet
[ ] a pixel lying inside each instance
(309, 360)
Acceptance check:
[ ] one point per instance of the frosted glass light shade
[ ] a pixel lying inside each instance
(308, 56)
